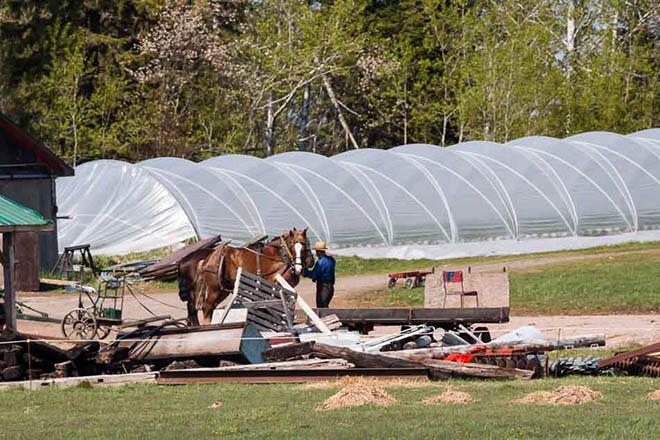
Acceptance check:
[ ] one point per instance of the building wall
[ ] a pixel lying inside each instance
(30, 183)
(37, 194)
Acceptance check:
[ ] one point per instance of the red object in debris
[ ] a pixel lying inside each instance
(457, 357)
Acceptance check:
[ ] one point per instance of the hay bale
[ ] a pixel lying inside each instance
(563, 395)
(356, 393)
(451, 397)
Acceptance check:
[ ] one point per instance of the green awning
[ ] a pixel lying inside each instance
(16, 217)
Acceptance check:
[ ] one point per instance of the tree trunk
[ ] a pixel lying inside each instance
(340, 115)
(270, 128)
(304, 120)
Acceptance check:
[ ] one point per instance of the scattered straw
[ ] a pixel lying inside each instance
(449, 396)
(358, 392)
(390, 383)
(563, 395)
(655, 395)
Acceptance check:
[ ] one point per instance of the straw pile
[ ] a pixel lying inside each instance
(655, 395)
(388, 383)
(356, 392)
(449, 396)
(563, 395)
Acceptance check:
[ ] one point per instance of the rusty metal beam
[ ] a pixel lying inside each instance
(653, 348)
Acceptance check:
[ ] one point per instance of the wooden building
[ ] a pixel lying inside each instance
(15, 219)
(27, 175)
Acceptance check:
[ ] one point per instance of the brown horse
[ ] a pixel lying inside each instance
(206, 277)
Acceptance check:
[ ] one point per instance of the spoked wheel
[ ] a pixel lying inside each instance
(391, 283)
(410, 283)
(79, 324)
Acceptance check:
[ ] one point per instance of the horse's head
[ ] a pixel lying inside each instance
(302, 252)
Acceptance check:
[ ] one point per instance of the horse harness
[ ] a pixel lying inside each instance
(287, 256)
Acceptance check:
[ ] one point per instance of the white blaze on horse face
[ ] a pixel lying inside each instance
(298, 249)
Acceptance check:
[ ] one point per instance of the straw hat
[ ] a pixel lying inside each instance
(320, 246)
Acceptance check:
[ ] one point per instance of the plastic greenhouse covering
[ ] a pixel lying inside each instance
(413, 201)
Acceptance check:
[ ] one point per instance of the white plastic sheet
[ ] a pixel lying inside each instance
(413, 201)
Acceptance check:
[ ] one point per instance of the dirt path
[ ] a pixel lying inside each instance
(621, 329)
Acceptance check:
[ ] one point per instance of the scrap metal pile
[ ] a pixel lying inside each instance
(258, 338)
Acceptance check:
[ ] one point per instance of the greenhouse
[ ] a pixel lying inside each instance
(473, 198)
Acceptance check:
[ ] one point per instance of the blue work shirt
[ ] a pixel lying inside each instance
(324, 270)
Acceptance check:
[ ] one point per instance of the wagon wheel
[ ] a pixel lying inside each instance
(410, 283)
(419, 281)
(391, 283)
(79, 324)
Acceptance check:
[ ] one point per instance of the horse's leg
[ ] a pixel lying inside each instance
(187, 294)
(210, 302)
(207, 312)
(193, 319)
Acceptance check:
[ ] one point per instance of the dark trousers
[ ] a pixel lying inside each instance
(324, 293)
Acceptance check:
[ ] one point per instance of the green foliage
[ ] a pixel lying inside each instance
(134, 79)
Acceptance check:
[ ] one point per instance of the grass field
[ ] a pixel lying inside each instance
(627, 282)
(287, 412)
(357, 265)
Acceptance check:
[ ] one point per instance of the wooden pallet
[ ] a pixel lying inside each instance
(270, 306)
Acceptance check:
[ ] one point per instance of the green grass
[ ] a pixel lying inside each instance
(348, 265)
(623, 283)
(618, 284)
(287, 412)
(397, 297)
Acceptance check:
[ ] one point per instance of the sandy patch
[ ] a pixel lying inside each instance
(563, 395)
(356, 393)
(449, 396)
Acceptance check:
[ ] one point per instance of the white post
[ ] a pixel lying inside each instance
(305, 307)
(233, 296)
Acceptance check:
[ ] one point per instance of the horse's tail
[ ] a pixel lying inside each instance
(184, 286)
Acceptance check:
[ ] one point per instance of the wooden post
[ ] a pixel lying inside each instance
(304, 306)
(8, 242)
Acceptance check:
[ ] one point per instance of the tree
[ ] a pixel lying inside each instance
(64, 109)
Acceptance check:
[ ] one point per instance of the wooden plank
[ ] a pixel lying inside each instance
(409, 316)
(263, 324)
(8, 229)
(95, 381)
(258, 304)
(233, 296)
(252, 277)
(305, 307)
(169, 263)
(188, 345)
(256, 286)
(27, 261)
(630, 354)
(57, 283)
(288, 351)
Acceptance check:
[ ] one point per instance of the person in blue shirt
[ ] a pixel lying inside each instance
(323, 274)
